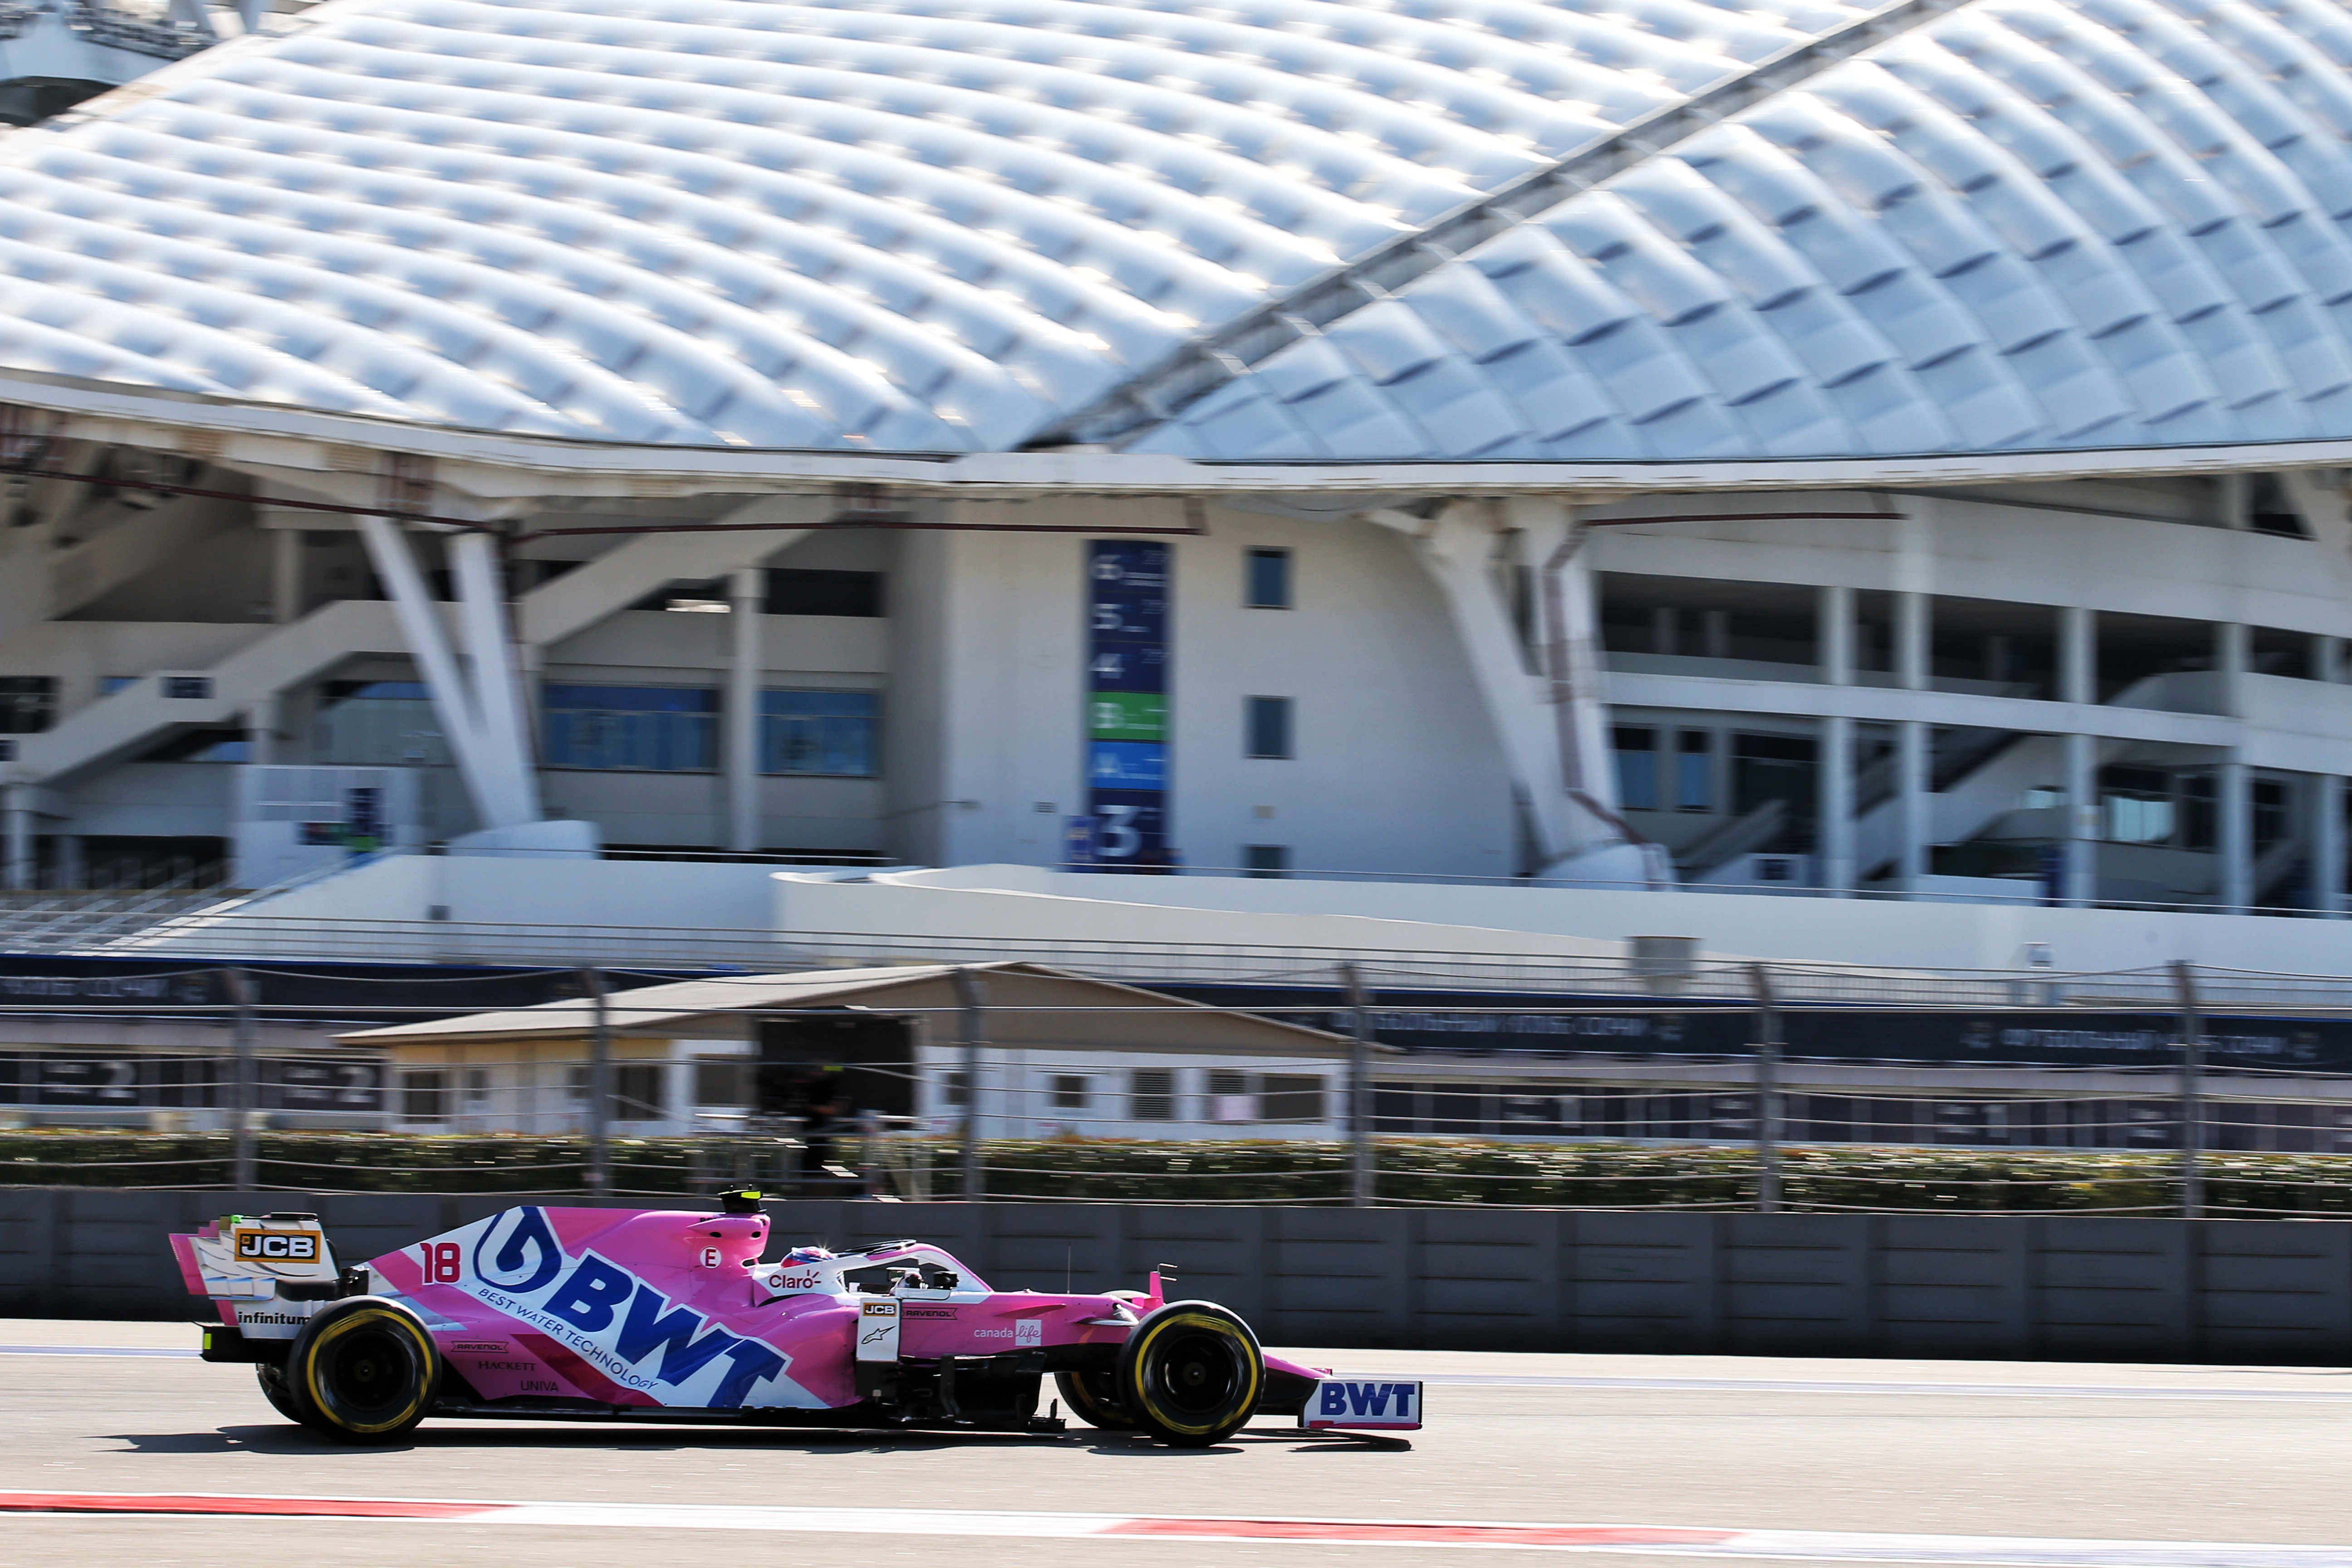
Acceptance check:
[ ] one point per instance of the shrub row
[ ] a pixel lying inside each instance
(1447, 1172)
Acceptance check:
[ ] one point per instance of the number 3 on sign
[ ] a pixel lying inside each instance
(1120, 838)
(440, 1262)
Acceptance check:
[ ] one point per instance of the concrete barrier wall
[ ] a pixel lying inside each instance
(1965, 1286)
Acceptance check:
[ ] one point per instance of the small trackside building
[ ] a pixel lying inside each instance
(1062, 1055)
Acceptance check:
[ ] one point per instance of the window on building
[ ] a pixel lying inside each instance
(28, 704)
(793, 591)
(1268, 723)
(827, 734)
(1266, 861)
(1069, 1092)
(425, 1096)
(203, 746)
(1229, 1097)
(2270, 509)
(957, 1089)
(1290, 1097)
(478, 1091)
(1151, 1094)
(637, 1091)
(722, 1083)
(1694, 770)
(1268, 581)
(1776, 773)
(1637, 766)
(108, 685)
(2294, 655)
(707, 596)
(188, 688)
(2201, 813)
(576, 1081)
(2273, 801)
(379, 724)
(633, 729)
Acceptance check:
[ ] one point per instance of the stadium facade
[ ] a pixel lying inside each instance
(1657, 446)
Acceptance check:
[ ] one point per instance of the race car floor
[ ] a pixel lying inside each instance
(118, 1447)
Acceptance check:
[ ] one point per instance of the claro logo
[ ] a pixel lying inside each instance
(278, 1245)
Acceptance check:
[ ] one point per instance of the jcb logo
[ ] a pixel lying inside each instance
(278, 1245)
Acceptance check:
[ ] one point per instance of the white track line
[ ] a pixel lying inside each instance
(1663, 1385)
(1645, 1540)
(1816, 1385)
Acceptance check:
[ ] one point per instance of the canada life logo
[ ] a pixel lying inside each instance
(626, 1328)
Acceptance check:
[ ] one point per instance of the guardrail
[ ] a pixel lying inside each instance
(1937, 1285)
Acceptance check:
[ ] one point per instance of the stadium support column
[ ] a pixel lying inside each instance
(19, 863)
(1915, 825)
(261, 730)
(1834, 804)
(2078, 684)
(747, 598)
(2233, 835)
(2326, 837)
(481, 719)
(1456, 548)
(285, 574)
(1834, 637)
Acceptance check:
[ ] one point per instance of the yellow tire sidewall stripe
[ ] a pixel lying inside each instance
(344, 1325)
(1217, 1325)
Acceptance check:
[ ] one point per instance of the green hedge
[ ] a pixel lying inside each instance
(1446, 1172)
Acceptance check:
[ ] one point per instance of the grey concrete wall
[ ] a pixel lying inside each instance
(1960, 1285)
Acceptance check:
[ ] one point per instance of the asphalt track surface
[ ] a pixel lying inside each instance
(1734, 1460)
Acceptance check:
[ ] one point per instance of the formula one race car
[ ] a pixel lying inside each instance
(669, 1316)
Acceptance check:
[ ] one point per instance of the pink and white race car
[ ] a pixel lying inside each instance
(671, 1316)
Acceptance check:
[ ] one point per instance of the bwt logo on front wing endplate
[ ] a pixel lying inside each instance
(278, 1245)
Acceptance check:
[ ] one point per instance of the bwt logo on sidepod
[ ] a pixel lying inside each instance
(614, 1317)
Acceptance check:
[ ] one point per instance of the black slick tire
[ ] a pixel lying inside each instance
(1093, 1398)
(364, 1371)
(1191, 1374)
(280, 1394)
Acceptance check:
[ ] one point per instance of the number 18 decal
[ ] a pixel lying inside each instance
(441, 1262)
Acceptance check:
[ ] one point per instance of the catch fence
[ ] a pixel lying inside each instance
(977, 1110)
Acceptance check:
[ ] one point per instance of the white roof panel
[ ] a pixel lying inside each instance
(951, 225)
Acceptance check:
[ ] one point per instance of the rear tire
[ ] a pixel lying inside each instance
(364, 1372)
(1191, 1374)
(280, 1394)
(1093, 1398)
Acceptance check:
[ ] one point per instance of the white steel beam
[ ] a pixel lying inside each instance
(500, 800)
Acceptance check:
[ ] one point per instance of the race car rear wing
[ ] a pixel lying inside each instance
(249, 1264)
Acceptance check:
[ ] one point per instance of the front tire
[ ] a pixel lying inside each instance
(1191, 1374)
(364, 1372)
(1093, 1398)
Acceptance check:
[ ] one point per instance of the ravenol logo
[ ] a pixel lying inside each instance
(278, 1245)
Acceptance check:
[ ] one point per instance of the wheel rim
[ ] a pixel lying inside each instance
(366, 1376)
(1196, 1373)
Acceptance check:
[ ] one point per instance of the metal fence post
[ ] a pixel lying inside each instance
(1362, 1178)
(1767, 1089)
(2192, 1091)
(972, 995)
(599, 1084)
(245, 1098)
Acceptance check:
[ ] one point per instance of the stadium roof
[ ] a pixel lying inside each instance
(1224, 229)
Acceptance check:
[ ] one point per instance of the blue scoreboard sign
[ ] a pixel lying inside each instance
(1127, 700)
